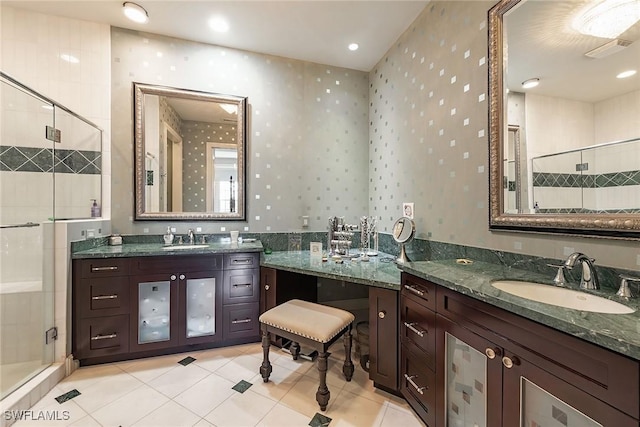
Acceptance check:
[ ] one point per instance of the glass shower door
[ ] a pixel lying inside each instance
(26, 235)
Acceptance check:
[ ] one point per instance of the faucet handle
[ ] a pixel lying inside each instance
(624, 290)
(559, 280)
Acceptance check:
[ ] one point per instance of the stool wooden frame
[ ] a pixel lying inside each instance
(323, 394)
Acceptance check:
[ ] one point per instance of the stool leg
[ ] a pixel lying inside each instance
(295, 350)
(265, 368)
(322, 395)
(347, 368)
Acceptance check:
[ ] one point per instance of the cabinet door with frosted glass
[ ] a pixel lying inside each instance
(535, 398)
(472, 377)
(200, 307)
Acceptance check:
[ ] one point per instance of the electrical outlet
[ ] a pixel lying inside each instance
(91, 233)
(198, 229)
(305, 221)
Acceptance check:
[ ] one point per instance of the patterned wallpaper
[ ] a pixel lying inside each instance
(308, 127)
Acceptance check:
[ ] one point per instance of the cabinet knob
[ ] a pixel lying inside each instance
(492, 352)
(182, 276)
(382, 314)
(266, 287)
(173, 277)
(509, 362)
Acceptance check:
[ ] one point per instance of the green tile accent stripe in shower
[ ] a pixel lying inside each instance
(570, 180)
(30, 159)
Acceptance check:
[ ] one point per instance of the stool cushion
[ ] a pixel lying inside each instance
(307, 319)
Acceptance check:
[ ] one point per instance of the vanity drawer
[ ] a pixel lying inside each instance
(241, 260)
(418, 385)
(419, 290)
(103, 296)
(102, 336)
(241, 286)
(418, 327)
(176, 264)
(241, 320)
(103, 267)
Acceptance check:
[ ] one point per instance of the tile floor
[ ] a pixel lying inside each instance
(221, 387)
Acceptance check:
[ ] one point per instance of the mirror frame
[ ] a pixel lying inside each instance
(620, 226)
(142, 89)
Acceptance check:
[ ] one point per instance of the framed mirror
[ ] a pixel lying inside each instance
(190, 151)
(564, 156)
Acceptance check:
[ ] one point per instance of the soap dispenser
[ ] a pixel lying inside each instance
(95, 209)
(168, 238)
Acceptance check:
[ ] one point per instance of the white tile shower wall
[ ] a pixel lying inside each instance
(307, 133)
(32, 45)
(617, 118)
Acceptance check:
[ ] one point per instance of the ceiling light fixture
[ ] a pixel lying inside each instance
(219, 24)
(353, 46)
(528, 84)
(135, 12)
(608, 18)
(625, 74)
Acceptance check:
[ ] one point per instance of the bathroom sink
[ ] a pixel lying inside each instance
(183, 247)
(561, 297)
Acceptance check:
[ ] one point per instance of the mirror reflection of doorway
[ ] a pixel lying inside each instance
(222, 176)
(171, 175)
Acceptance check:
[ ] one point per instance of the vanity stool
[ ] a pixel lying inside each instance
(313, 325)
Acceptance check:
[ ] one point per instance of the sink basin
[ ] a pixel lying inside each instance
(183, 247)
(561, 297)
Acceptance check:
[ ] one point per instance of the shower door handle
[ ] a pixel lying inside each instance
(25, 225)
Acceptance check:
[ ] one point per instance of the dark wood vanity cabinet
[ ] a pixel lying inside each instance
(383, 338)
(505, 370)
(140, 306)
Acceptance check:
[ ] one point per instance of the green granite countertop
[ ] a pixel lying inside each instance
(157, 249)
(617, 332)
(379, 271)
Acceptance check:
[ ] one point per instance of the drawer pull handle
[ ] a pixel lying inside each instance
(101, 297)
(414, 290)
(236, 321)
(182, 276)
(416, 386)
(104, 337)
(110, 268)
(414, 329)
(242, 261)
(492, 353)
(237, 285)
(509, 362)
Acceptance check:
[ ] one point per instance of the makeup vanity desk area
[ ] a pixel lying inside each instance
(289, 275)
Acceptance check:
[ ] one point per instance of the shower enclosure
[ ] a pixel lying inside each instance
(50, 168)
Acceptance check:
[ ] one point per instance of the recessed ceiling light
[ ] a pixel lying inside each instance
(625, 74)
(69, 58)
(219, 24)
(528, 84)
(353, 46)
(135, 12)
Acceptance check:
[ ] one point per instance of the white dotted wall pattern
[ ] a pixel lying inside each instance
(307, 127)
(425, 126)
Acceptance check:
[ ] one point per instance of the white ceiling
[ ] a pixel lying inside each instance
(316, 31)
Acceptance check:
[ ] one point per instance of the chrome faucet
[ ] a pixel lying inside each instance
(191, 237)
(589, 277)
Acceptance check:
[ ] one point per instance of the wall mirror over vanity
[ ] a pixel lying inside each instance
(189, 154)
(565, 154)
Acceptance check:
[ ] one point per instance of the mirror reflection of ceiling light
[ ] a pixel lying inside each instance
(528, 84)
(353, 46)
(608, 18)
(219, 24)
(135, 12)
(625, 74)
(229, 108)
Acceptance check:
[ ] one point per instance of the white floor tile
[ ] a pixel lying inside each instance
(242, 409)
(282, 416)
(280, 382)
(178, 379)
(394, 418)
(131, 407)
(302, 397)
(94, 397)
(206, 394)
(169, 415)
(150, 368)
(347, 409)
(212, 360)
(56, 415)
(243, 367)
